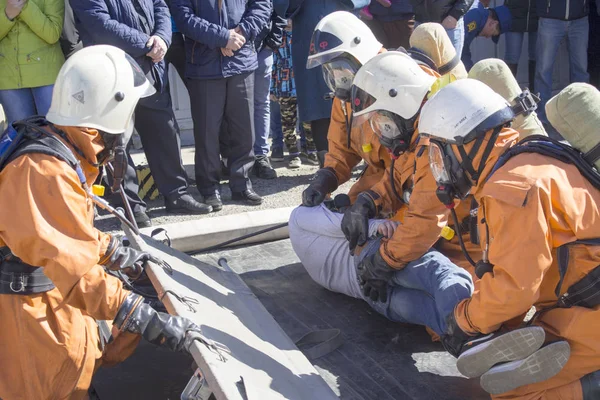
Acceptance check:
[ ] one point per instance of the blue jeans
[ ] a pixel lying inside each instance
(550, 34)
(262, 119)
(514, 46)
(424, 292)
(23, 103)
(457, 36)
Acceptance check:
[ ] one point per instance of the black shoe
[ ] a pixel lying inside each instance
(248, 196)
(142, 219)
(262, 168)
(214, 200)
(277, 154)
(186, 204)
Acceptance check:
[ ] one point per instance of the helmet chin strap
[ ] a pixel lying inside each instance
(467, 159)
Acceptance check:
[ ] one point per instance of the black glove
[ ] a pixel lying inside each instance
(355, 223)
(324, 182)
(173, 332)
(119, 257)
(373, 277)
(454, 338)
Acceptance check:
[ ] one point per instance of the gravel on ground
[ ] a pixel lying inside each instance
(283, 191)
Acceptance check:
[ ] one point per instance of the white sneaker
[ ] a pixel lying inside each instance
(538, 367)
(486, 351)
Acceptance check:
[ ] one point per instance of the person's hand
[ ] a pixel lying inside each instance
(355, 223)
(387, 228)
(486, 3)
(239, 31)
(226, 52)
(158, 48)
(236, 41)
(324, 182)
(13, 8)
(374, 275)
(449, 22)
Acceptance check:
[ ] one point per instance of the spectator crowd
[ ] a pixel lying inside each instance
(248, 81)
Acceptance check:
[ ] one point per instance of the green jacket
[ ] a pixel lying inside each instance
(30, 54)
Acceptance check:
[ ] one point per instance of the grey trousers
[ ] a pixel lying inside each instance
(424, 292)
(214, 102)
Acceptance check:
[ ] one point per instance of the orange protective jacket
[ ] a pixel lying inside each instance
(533, 205)
(425, 216)
(49, 342)
(364, 145)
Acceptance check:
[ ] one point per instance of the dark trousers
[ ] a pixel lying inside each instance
(176, 54)
(156, 124)
(159, 131)
(392, 34)
(319, 129)
(228, 102)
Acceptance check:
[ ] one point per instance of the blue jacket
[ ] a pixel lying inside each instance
(116, 22)
(557, 9)
(400, 9)
(311, 87)
(206, 30)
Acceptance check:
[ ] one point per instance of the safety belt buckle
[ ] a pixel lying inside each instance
(525, 103)
(20, 280)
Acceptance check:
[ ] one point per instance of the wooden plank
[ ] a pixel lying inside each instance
(260, 360)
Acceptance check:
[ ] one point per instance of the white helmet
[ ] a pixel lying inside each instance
(462, 111)
(341, 43)
(341, 33)
(388, 91)
(3, 125)
(98, 87)
(391, 81)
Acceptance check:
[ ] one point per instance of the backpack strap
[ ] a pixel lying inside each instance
(554, 149)
(586, 291)
(37, 140)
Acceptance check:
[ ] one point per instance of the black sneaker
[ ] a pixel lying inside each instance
(262, 168)
(142, 219)
(214, 200)
(277, 154)
(248, 196)
(186, 204)
(483, 352)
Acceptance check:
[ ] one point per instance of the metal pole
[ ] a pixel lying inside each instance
(124, 198)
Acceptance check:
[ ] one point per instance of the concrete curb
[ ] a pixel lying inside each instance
(200, 234)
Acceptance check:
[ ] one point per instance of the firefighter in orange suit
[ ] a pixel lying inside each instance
(538, 226)
(341, 44)
(53, 283)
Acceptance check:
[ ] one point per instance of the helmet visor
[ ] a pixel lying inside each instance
(436, 163)
(322, 48)
(361, 100)
(128, 131)
(139, 78)
(339, 74)
(384, 126)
